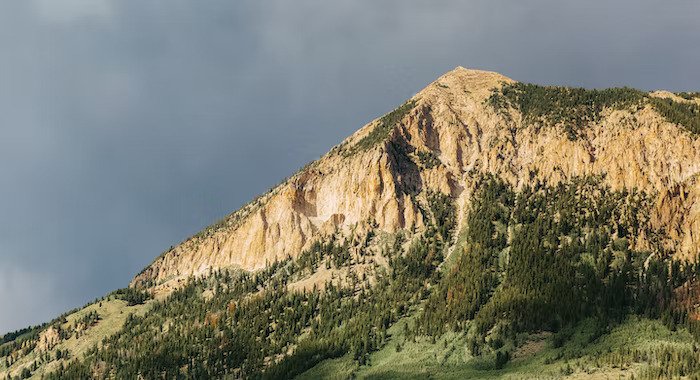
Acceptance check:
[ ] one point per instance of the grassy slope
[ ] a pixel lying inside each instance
(582, 356)
(113, 313)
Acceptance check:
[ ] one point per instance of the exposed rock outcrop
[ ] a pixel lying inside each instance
(48, 339)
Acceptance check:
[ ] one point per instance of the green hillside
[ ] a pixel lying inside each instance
(541, 282)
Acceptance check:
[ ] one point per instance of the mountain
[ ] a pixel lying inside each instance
(376, 173)
(484, 228)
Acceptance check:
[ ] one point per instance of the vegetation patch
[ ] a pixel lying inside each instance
(75, 334)
(470, 280)
(572, 108)
(132, 296)
(681, 113)
(382, 130)
(575, 109)
(689, 95)
(625, 351)
(428, 159)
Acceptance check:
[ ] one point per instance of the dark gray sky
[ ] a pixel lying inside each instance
(128, 125)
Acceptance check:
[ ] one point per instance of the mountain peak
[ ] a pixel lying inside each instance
(464, 82)
(464, 73)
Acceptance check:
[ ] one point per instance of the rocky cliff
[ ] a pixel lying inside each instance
(438, 142)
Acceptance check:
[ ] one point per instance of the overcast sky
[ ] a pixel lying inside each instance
(126, 126)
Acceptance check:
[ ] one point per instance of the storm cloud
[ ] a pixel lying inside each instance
(126, 126)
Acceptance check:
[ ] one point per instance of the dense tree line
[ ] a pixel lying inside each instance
(573, 108)
(132, 296)
(683, 113)
(576, 108)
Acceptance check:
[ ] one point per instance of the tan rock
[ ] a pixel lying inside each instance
(48, 339)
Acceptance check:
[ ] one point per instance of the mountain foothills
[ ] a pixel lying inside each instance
(486, 228)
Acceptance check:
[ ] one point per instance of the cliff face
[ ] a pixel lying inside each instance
(436, 143)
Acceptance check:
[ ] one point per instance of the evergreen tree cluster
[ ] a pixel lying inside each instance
(428, 159)
(575, 109)
(132, 296)
(549, 256)
(681, 113)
